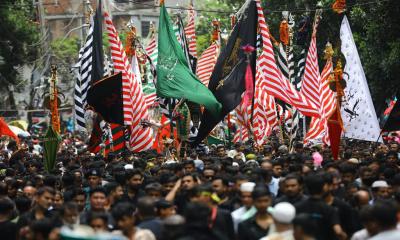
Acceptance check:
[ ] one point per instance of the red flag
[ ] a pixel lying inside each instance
(6, 131)
(335, 131)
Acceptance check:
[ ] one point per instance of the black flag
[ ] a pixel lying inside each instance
(227, 81)
(393, 122)
(105, 96)
(98, 53)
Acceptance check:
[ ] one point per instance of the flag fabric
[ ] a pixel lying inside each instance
(97, 138)
(134, 106)
(83, 80)
(184, 42)
(241, 135)
(174, 78)
(6, 131)
(206, 63)
(318, 130)
(264, 109)
(97, 72)
(51, 143)
(358, 112)
(190, 31)
(228, 78)
(276, 85)
(393, 121)
(105, 96)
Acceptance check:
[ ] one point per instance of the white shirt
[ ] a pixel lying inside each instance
(240, 215)
(387, 235)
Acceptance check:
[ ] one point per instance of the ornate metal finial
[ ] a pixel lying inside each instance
(328, 52)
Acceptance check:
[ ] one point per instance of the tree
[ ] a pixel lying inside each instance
(19, 40)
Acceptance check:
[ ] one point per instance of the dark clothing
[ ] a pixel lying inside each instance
(295, 200)
(345, 215)
(181, 199)
(154, 225)
(250, 230)
(193, 232)
(323, 215)
(8, 230)
(29, 217)
(125, 198)
(223, 223)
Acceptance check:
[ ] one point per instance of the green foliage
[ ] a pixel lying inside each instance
(18, 38)
(65, 50)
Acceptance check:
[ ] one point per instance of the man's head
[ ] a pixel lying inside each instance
(189, 166)
(98, 198)
(304, 227)
(134, 179)
(189, 181)
(220, 185)
(123, 214)
(7, 206)
(69, 213)
(293, 185)
(221, 152)
(114, 191)
(165, 208)
(277, 168)
(44, 198)
(154, 190)
(93, 178)
(98, 221)
(316, 184)
(246, 190)
(392, 157)
(29, 191)
(283, 213)
(348, 172)
(262, 199)
(380, 189)
(79, 197)
(383, 216)
(209, 173)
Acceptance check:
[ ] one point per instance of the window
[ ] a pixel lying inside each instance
(145, 28)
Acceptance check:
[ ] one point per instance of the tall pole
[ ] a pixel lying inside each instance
(42, 20)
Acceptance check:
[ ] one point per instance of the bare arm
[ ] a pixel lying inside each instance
(172, 194)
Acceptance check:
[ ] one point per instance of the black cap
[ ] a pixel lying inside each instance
(93, 172)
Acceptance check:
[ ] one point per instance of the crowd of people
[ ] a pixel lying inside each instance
(213, 192)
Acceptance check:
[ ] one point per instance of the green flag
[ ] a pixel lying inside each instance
(174, 78)
(51, 142)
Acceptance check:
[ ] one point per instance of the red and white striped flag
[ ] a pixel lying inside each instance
(134, 106)
(241, 135)
(190, 32)
(206, 63)
(319, 126)
(274, 83)
(152, 46)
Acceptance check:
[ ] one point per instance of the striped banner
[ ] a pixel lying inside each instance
(134, 106)
(276, 85)
(206, 63)
(83, 80)
(190, 31)
(241, 135)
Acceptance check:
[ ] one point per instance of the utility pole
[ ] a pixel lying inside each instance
(42, 20)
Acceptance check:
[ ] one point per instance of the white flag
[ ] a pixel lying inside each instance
(358, 112)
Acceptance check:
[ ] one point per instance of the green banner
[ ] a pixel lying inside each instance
(51, 142)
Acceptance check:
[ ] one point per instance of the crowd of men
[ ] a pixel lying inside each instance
(215, 192)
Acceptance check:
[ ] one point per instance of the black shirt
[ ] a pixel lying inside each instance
(8, 230)
(293, 200)
(250, 230)
(324, 216)
(223, 223)
(345, 215)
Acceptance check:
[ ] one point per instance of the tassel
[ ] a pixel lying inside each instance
(284, 32)
(339, 6)
(249, 81)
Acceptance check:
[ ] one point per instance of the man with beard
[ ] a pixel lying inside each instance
(220, 186)
(43, 201)
(179, 193)
(98, 200)
(114, 192)
(134, 179)
(293, 190)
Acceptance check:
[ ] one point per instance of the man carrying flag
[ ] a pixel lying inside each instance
(228, 78)
(174, 78)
